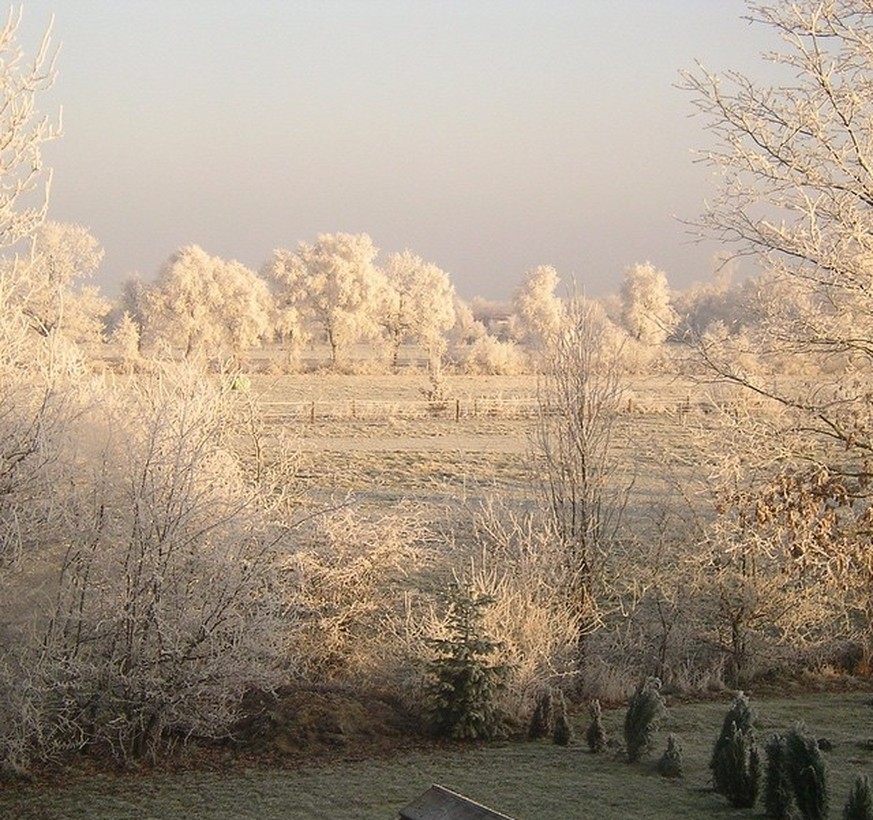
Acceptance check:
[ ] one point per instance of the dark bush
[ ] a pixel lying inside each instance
(463, 687)
(543, 715)
(670, 764)
(778, 800)
(859, 806)
(806, 772)
(735, 765)
(645, 712)
(563, 732)
(596, 734)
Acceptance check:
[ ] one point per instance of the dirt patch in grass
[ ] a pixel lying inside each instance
(318, 724)
(286, 729)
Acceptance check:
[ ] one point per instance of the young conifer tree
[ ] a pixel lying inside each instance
(735, 763)
(645, 712)
(562, 734)
(778, 800)
(596, 734)
(859, 806)
(464, 685)
(542, 719)
(670, 764)
(806, 772)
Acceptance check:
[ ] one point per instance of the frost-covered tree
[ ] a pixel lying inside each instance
(718, 300)
(419, 305)
(467, 328)
(24, 181)
(794, 157)
(538, 310)
(583, 489)
(207, 306)
(796, 166)
(246, 309)
(156, 603)
(334, 284)
(33, 401)
(132, 301)
(46, 283)
(646, 312)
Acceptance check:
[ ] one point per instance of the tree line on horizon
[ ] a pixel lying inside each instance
(332, 292)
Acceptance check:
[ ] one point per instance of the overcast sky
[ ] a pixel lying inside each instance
(488, 136)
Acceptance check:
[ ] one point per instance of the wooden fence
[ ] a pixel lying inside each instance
(456, 409)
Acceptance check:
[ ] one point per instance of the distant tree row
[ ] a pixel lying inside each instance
(334, 293)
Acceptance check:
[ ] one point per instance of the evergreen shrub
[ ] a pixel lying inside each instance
(644, 714)
(596, 734)
(859, 806)
(463, 686)
(778, 799)
(806, 772)
(735, 764)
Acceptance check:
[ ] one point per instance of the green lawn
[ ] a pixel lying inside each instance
(529, 781)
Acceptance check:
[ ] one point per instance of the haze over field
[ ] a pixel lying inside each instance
(488, 137)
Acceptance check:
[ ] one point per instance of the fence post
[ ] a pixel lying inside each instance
(457, 409)
(312, 413)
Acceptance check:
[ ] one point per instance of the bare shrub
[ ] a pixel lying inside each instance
(348, 582)
(164, 604)
(769, 546)
(518, 566)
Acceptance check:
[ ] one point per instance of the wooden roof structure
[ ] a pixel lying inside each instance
(439, 803)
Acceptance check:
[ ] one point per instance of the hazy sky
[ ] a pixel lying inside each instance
(487, 136)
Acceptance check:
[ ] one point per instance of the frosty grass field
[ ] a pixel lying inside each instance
(380, 438)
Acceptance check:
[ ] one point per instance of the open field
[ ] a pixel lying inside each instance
(379, 438)
(529, 781)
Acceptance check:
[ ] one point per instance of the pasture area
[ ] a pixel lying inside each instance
(382, 440)
(526, 780)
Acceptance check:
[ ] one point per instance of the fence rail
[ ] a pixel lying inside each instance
(462, 409)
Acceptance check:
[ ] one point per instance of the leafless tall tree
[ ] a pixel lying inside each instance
(580, 396)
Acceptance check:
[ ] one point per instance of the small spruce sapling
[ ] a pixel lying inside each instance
(542, 719)
(806, 772)
(735, 764)
(645, 712)
(596, 734)
(563, 732)
(670, 764)
(778, 800)
(463, 686)
(859, 805)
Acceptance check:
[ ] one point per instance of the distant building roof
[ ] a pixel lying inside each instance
(439, 803)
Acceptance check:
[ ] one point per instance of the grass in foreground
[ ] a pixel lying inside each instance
(529, 781)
